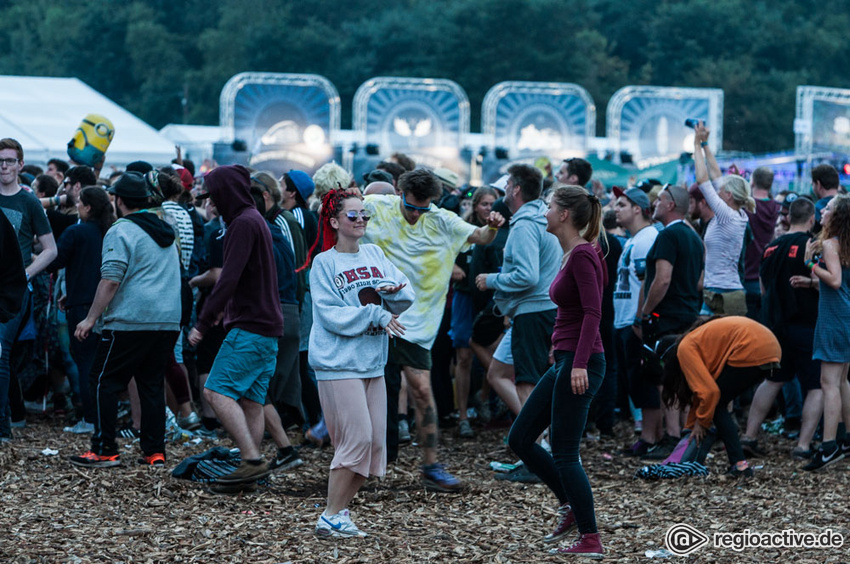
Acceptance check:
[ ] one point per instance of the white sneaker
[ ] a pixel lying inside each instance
(339, 525)
(81, 428)
(403, 431)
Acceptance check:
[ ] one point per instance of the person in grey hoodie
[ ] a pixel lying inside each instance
(357, 297)
(532, 259)
(139, 299)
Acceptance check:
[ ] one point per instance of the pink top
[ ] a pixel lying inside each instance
(577, 291)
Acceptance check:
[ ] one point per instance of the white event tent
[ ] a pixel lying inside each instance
(42, 113)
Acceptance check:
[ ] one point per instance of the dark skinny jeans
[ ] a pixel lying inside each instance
(553, 402)
(732, 382)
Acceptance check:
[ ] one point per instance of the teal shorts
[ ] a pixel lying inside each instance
(243, 366)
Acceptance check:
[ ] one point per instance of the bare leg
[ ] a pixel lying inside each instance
(343, 485)
(206, 408)
(500, 377)
(170, 400)
(671, 419)
(523, 390)
(419, 385)
(402, 399)
(762, 401)
(275, 427)
(462, 380)
(235, 419)
(833, 381)
(812, 410)
(135, 405)
(652, 425)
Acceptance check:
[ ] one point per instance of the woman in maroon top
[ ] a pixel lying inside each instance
(563, 395)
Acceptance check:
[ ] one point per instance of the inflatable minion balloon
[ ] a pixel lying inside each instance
(91, 140)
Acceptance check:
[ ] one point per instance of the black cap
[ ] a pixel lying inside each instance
(378, 175)
(139, 166)
(130, 185)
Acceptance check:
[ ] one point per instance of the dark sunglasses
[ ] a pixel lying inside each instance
(353, 215)
(414, 208)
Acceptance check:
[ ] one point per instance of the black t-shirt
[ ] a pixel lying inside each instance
(782, 304)
(59, 221)
(679, 245)
(612, 248)
(487, 259)
(26, 214)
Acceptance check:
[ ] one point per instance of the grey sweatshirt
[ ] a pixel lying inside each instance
(348, 338)
(532, 260)
(148, 298)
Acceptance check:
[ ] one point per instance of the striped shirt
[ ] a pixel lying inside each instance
(180, 220)
(724, 240)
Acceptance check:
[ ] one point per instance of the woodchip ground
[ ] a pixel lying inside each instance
(54, 512)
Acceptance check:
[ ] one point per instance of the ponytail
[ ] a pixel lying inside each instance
(585, 210)
(594, 223)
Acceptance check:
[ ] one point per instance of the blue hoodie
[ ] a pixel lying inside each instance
(532, 260)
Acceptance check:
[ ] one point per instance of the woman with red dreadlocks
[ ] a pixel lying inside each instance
(357, 297)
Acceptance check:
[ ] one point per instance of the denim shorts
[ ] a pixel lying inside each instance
(243, 366)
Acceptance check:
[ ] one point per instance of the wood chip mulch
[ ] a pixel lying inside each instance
(55, 512)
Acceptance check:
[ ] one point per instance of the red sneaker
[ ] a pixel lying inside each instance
(566, 524)
(90, 459)
(587, 545)
(156, 459)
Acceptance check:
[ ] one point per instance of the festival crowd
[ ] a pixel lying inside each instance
(237, 304)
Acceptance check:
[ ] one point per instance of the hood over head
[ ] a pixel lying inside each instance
(230, 188)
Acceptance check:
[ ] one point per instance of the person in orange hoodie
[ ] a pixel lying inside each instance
(711, 364)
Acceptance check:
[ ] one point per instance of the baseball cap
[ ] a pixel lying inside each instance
(635, 196)
(302, 182)
(378, 175)
(501, 183)
(446, 176)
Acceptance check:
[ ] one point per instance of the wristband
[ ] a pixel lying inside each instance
(491, 228)
(703, 143)
(811, 265)
(56, 200)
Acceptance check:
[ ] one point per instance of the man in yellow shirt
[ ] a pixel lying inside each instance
(423, 242)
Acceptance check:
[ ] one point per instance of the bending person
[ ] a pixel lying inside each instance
(357, 297)
(710, 365)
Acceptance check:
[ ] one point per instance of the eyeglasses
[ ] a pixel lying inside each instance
(9, 162)
(414, 208)
(362, 214)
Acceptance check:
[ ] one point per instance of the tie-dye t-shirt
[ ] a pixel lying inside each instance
(425, 252)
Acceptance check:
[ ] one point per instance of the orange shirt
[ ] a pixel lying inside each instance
(704, 352)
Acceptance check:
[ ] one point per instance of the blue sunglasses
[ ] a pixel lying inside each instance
(412, 207)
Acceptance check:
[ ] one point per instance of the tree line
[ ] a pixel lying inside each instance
(167, 60)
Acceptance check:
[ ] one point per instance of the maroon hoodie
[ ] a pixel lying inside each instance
(247, 288)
